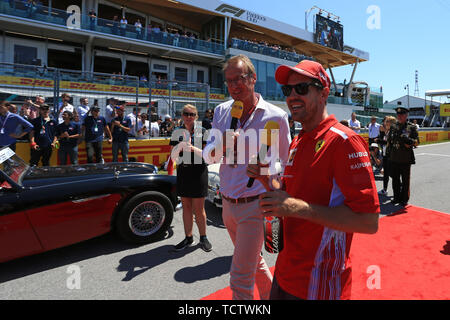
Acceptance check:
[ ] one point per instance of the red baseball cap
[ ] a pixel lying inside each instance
(307, 68)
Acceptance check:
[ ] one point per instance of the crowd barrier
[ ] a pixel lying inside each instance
(157, 151)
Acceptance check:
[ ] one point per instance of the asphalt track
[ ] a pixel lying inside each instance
(109, 269)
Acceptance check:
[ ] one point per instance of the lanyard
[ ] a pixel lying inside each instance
(4, 121)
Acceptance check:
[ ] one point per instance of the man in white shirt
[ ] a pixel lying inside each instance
(240, 203)
(143, 127)
(64, 105)
(154, 125)
(374, 129)
(354, 124)
(133, 117)
(110, 112)
(83, 109)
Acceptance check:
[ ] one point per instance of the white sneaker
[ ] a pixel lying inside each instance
(383, 192)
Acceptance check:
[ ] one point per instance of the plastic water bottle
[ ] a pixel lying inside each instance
(273, 234)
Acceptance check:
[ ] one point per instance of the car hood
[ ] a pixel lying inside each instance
(50, 174)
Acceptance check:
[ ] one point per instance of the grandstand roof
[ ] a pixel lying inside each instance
(434, 93)
(247, 25)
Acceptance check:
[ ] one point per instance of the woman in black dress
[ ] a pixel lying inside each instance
(192, 176)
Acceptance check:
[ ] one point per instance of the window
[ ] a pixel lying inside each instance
(181, 74)
(135, 68)
(65, 59)
(107, 64)
(200, 76)
(26, 55)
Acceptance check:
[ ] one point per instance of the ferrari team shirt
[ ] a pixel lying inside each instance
(329, 166)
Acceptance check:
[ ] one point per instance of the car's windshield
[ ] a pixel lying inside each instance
(12, 166)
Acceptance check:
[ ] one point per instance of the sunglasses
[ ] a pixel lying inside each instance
(301, 88)
(188, 114)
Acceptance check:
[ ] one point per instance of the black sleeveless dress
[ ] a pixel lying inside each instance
(192, 177)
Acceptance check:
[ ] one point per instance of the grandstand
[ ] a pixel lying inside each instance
(160, 53)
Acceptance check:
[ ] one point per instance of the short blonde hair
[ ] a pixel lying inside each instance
(191, 107)
(390, 119)
(245, 60)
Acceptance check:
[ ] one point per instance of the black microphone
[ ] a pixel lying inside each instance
(270, 125)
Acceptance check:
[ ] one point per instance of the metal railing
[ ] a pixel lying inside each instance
(76, 20)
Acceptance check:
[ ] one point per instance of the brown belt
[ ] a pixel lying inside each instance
(241, 200)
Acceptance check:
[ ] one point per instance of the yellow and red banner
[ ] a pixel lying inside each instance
(98, 87)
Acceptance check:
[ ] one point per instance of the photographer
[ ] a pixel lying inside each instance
(376, 158)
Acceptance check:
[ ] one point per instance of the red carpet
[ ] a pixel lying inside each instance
(410, 253)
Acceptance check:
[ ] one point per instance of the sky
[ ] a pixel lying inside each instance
(411, 35)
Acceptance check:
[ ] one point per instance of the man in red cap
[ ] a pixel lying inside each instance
(328, 192)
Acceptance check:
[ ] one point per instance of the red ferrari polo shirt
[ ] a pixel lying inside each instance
(329, 166)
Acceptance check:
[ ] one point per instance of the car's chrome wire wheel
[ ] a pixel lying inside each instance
(146, 218)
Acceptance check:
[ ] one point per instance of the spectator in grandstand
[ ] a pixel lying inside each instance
(68, 133)
(115, 27)
(31, 6)
(123, 26)
(374, 129)
(138, 26)
(92, 19)
(93, 128)
(12, 126)
(401, 139)
(166, 127)
(328, 193)
(64, 105)
(42, 137)
(120, 127)
(192, 179)
(143, 127)
(207, 120)
(354, 124)
(388, 122)
(82, 110)
(110, 111)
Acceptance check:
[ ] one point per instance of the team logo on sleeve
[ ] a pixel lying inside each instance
(319, 145)
(291, 157)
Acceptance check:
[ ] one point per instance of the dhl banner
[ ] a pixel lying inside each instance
(97, 87)
(445, 110)
(154, 151)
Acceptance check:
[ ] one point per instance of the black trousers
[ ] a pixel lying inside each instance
(43, 153)
(94, 148)
(400, 174)
(386, 174)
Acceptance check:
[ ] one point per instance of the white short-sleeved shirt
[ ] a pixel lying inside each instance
(233, 179)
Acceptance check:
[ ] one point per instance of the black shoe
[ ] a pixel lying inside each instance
(205, 244)
(187, 242)
(395, 201)
(403, 203)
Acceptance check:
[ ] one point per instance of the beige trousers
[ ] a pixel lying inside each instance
(245, 227)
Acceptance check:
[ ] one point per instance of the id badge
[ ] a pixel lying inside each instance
(95, 129)
(42, 132)
(2, 131)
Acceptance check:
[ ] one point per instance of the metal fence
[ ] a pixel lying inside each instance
(21, 82)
